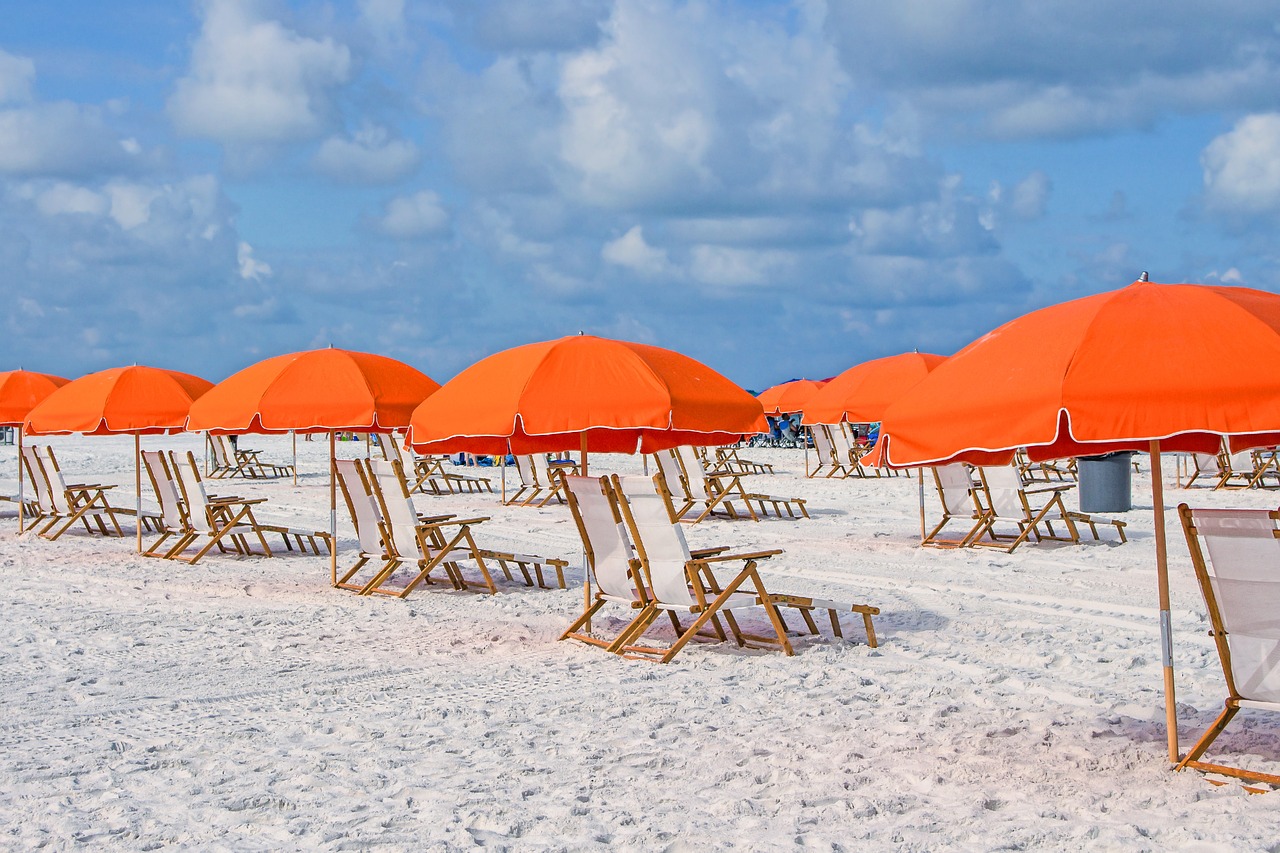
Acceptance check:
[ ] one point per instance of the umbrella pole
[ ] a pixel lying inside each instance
(137, 485)
(21, 500)
(333, 509)
(923, 533)
(1162, 584)
(294, 433)
(583, 448)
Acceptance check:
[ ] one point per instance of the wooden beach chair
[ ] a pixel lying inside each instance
(353, 479)
(1031, 511)
(173, 516)
(1236, 556)
(609, 557)
(546, 479)
(716, 486)
(681, 582)
(829, 457)
(425, 542)
(220, 520)
(68, 503)
(956, 493)
(679, 496)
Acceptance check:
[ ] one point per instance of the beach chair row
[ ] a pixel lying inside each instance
(1248, 469)
(429, 475)
(641, 562)
(190, 517)
(1003, 512)
(401, 549)
(696, 494)
(229, 461)
(840, 453)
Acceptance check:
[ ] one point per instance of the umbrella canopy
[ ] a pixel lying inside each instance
(21, 390)
(123, 400)
(583, 392)
(1180, 363)
(1147, 367)
(315, 391)
(788, 397)
(861, 394)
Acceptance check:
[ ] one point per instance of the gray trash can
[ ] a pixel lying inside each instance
(1106, 483)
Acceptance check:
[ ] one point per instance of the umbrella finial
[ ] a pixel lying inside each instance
(581, 333)
(1143, 277)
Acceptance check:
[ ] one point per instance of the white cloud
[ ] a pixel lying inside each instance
(1030, 196)
(369, 157)
(59, 138)
(62, 199)
(418, 215)
(17, 74)
(384, 19)
(253, 80)
(1242, 167)
(639, 110)
(723, 266)
(131, 203)
(251, 269)
(631, 251)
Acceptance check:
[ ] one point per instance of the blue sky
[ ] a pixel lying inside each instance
(778, 189)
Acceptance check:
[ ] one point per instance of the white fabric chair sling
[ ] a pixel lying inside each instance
(69, 503)
(712, 491)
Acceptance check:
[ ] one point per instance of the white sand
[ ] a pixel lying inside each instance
(1015, 701)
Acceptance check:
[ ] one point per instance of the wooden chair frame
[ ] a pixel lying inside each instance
(1262, 525)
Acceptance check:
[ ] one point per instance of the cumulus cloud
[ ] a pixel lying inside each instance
(518, 25)
(253, 80)
(418, 215)
(384, 19)
(728, 267)
(1061, 68)
(17, 74)
(251, 268)
(632, 251)
(370, 156)
(1242, 167)
(59, 138)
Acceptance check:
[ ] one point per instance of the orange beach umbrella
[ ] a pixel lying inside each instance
(583, 392)
(322, 390)
(133, 401)
(325, 390)
(861, 394)
(1147, 367)
(20, 391)
(788, 397)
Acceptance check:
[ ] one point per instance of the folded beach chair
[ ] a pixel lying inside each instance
(956, 493)
(62, 504)
(220, 520)
(718, 488)
(609, 557)
(1236, 555)
(1009, 502)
